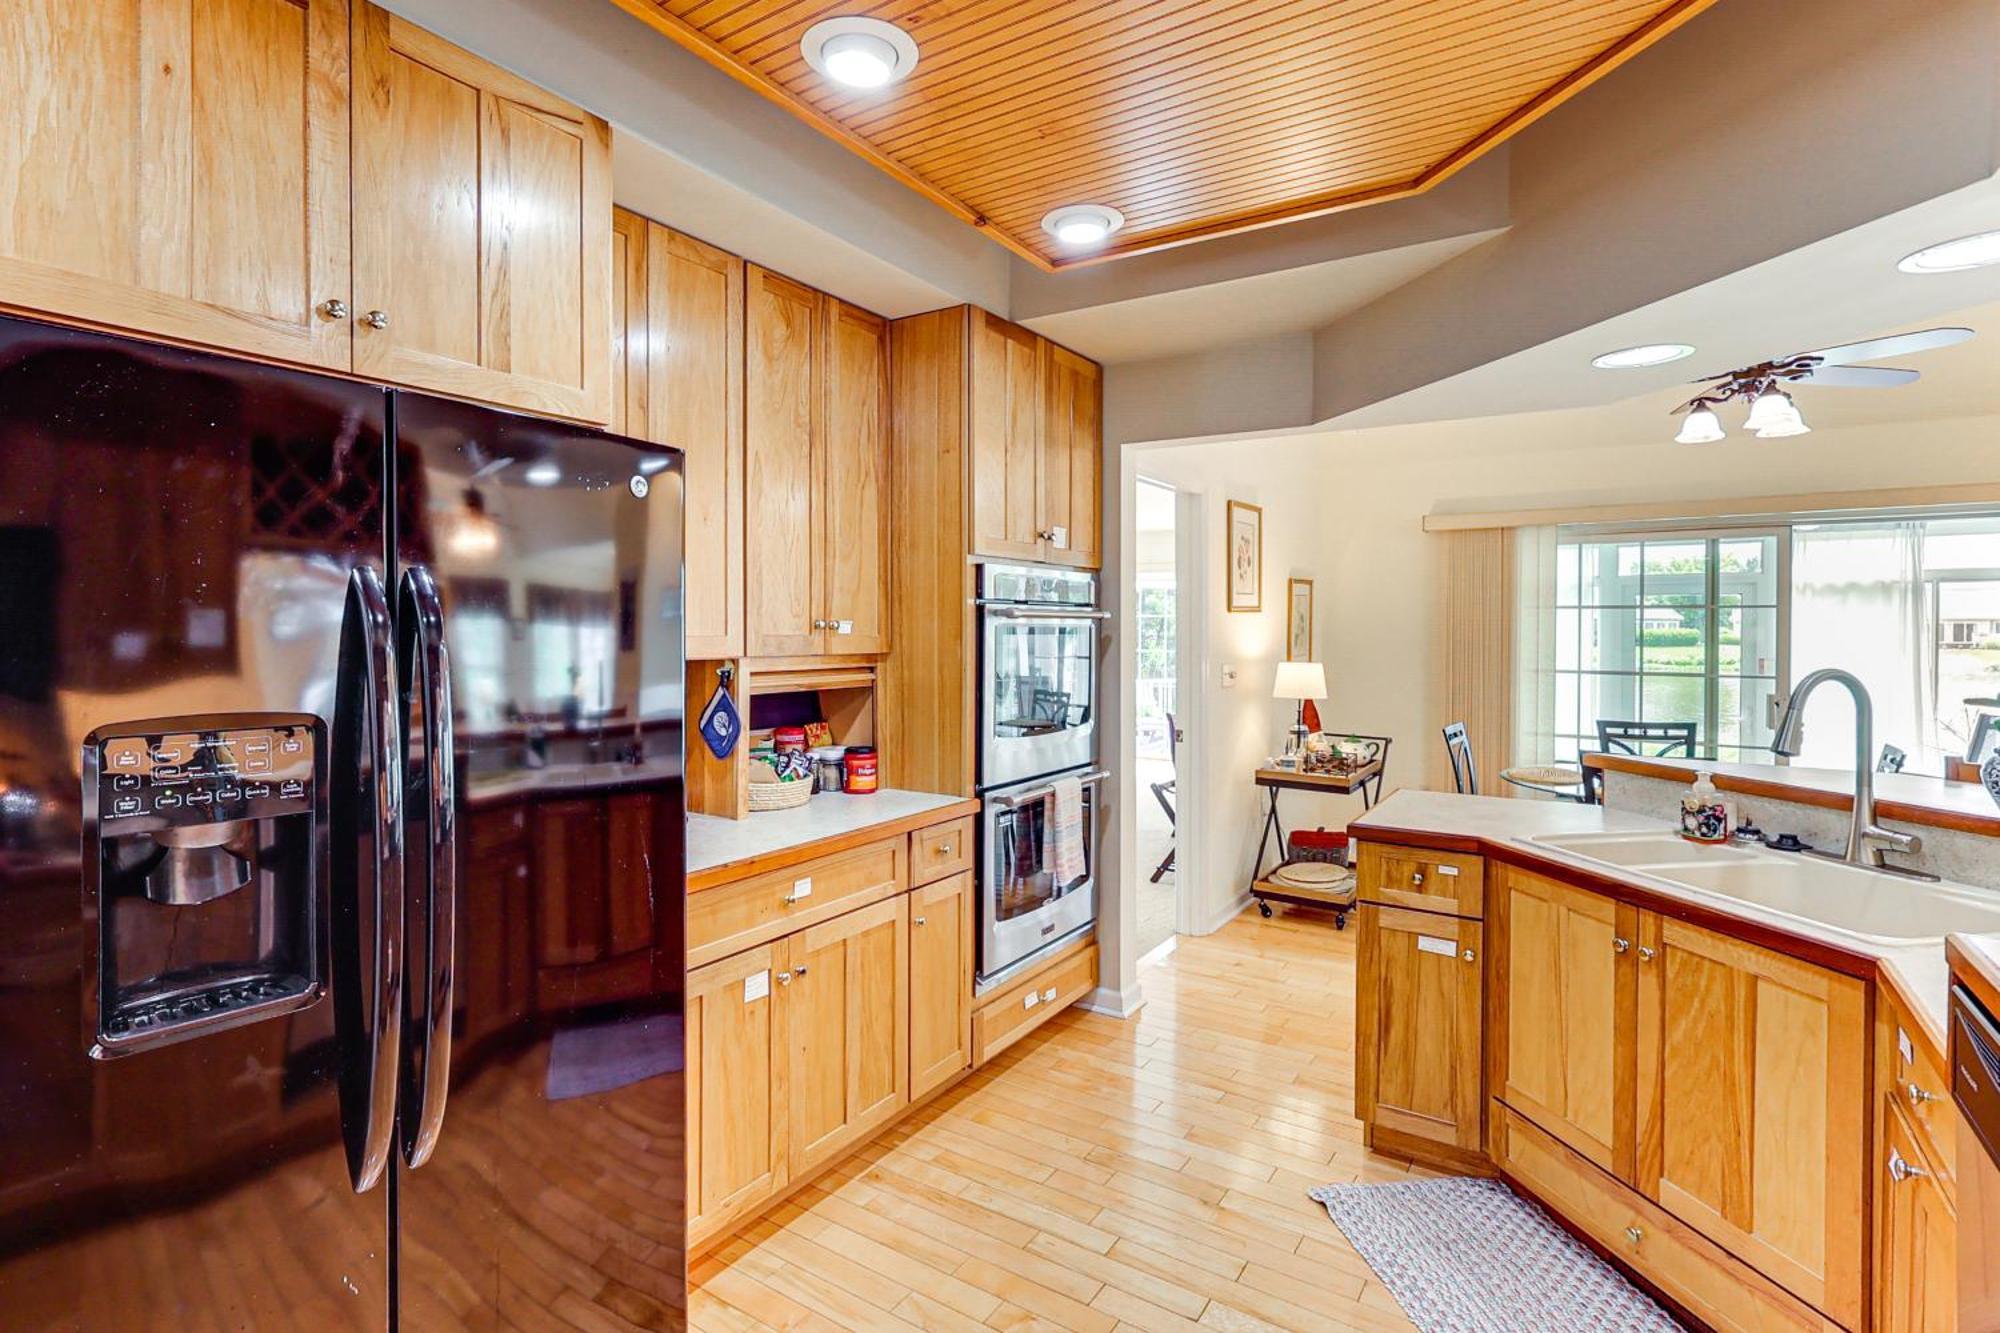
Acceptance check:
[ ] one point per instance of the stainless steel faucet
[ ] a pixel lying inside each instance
(1866, 840)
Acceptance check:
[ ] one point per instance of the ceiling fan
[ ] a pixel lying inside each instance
(1765, 386)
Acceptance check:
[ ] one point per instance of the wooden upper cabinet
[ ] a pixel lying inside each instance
(629, 337)
(1752, 1093)
(696, 372)
(179, 170)
(846, 1010)
(941, 967)
(1071, 448)
(1418, 995)
(482, 228)
(1005, 432)
(855, 516)
(1565, 985)
(783, 577)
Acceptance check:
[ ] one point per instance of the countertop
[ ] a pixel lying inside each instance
(1499, 826)
(1975, 962)
(1908, 798)
(721, 850)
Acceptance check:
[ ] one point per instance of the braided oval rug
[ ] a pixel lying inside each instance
(1471, 1256)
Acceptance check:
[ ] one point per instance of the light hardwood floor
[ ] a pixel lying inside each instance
(1103, 1175)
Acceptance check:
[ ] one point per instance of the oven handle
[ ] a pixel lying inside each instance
(1090, 779)
(1010, 611)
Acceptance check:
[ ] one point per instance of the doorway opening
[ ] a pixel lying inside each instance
(1159, 726)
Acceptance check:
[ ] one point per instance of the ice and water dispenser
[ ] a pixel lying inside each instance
(205, 839)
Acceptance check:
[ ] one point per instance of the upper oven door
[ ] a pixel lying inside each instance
(1038, 692)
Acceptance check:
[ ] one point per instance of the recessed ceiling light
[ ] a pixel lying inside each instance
(542, 474)
(1646, 354)
(1955, 256)
(1082, 224)
(859, 52)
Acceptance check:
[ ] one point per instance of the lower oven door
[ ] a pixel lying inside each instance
(1023, 907)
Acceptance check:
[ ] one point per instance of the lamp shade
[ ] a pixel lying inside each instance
(1299, 680)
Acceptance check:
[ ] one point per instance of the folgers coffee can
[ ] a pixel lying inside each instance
(861, 770)
(788, 738)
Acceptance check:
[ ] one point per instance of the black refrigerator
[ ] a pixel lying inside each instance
(341, 854)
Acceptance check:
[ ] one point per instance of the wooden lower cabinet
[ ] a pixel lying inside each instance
(1557, 1057)
(1917, 1234)
(1417, 1030)
(736, 1075)
(848, 1029)
(1752, 1096)
(941, 968)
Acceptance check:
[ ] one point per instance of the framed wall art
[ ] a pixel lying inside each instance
(1246, 556)
(1298, 620)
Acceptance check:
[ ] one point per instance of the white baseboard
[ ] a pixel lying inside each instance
(1229, 912)
(1113, 1002)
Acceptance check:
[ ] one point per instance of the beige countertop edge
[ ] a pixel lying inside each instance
(720, 851)
(1918, 974)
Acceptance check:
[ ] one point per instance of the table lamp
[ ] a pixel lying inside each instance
(1300, 681)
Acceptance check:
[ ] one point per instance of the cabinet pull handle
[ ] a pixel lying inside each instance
(333, 308)
(376, 319)
(1646, 955)
(1900, 1170)
(799, 971)
(784, 978)
(1918, 1096)
(1416, 879)
(1467, 955)
(918, 922)
(944, 849)
(1619, 944)
(1634, 1234)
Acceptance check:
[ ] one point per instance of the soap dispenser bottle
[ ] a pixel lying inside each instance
(1704, 814)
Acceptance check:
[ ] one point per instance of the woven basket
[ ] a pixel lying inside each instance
(780, 795)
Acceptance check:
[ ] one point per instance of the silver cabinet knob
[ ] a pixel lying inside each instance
(944, 849)
(1900, 1169)
(1918, 1096)
(1634, 1234)
(376, 319)
(1468, 955)
(334, 308)
(1646, 955)
(1416, 879)
(784, 978)
(1619, 944)
(918, 922)
(798, 971)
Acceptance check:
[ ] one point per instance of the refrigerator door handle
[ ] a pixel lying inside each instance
(366, 845)
(426, 665)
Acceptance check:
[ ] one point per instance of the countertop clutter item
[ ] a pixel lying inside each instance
(863, 770)
(781, 781)
(830, 767)
(1705, 815)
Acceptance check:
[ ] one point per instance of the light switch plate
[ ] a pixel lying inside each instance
(1228, 675)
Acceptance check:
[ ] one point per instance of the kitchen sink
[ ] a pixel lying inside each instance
(1864, 903)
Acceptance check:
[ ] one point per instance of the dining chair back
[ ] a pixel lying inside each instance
(1464, 772)
(1657, 740)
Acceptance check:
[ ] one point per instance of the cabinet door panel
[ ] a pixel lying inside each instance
(847, 1007)
(1751, 1084)
(483, 231)
(1417, 1025)
(1072, 442)
(785, 578)
(1919, 1241)
(179, 169)
(736, 1061)
(696, 369)
(1565, 990)
(856, 516)
(629, 307)
(1005, 435)
(941, 963)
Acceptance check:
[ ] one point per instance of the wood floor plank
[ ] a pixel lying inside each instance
(1149, 1175)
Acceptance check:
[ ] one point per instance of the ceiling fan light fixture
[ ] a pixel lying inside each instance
(1955, 256)
(1082, 224)
(1638, 358)
(1773, 410)
(858, 52)
(1701, 426)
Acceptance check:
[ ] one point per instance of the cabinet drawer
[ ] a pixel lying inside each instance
(1419, 878)
(722, 921)
(1717, 1288)
(940, 850)
(1916, 1082)
(1024, 1006)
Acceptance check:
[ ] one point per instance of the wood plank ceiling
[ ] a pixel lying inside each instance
(1193, 118)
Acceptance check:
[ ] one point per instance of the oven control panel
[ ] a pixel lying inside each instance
(176, 777)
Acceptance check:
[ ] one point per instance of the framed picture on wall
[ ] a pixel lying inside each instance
(1298, 620)
(1246, 557)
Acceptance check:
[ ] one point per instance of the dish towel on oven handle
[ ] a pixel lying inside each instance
(1062, 845)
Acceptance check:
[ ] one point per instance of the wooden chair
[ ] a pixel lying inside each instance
(1656, 740)
(1164, 793)
(1464, 771)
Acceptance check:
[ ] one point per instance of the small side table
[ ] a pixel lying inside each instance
(1365, 780)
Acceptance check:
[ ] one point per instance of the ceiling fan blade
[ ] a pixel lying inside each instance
(1860, 377)
(1897, 344)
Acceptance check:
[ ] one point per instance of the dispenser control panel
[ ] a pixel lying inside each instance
(180, 778)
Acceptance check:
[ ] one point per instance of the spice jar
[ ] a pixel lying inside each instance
(861, 770)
